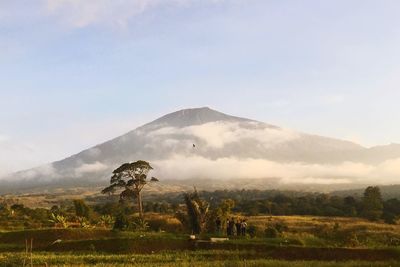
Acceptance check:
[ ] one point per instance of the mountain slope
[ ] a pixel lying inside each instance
(225, 147)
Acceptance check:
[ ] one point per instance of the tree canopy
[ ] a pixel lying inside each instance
(131, 177)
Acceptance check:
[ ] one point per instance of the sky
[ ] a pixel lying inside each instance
(75, 73)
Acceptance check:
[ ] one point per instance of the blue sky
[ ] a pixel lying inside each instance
(75, 73)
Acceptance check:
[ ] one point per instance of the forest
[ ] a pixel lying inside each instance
(222, 203)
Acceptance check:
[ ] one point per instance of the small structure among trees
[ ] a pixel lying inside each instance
(131, 177)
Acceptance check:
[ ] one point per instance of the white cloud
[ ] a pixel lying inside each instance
(90, 168)
(44, 172)
(93, 152)
(82, 13)
(180, 167)
(389, 171)
(218, 134)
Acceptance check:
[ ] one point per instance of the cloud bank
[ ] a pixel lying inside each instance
(218, 134)
(90, 168)
(197, 167)
(194, 167)
(224, 150)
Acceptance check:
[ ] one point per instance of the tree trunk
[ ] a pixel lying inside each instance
(140, 205)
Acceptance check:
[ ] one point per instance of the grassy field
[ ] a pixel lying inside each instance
(184, 258)
(305, 241)
(333, 231)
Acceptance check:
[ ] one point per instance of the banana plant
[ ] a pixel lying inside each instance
(106, 221)
(59, 220)
(83, 222)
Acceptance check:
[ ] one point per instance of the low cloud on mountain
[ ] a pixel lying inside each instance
(218, 134)
(90, 168)
(180, 167)
(206, 144)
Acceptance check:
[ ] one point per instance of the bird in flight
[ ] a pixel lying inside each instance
(194, 145)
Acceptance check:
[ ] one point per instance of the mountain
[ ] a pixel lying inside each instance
(202, 143)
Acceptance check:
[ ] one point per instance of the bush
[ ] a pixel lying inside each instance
(296, 242)
(271, 232)
(281, 227)
(121, 222)
(139, 225)
(389, 218)
(322, 231)
(252, 231)
(171, 225)
(81, 208)
(352, 240)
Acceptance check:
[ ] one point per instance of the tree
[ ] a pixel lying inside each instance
(131, 177)
(350, 206)
(221, 212)
(391, 211)
(197, 211)
(372, 203)
(81, 208)
(121, 222)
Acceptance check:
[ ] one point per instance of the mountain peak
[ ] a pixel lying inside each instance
(194, 116)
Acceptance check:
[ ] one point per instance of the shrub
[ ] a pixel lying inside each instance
(271, 232)
(138, 224)
(81, 208)
(106, 221)
(389, 218)
(59, 221)
(296, 242)
(252, 231)
(322, 231)
(281, 227)
(121, 222)
(352, 240)
(171, 225)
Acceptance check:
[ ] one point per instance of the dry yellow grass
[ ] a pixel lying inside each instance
(304, 222)
(333, 231)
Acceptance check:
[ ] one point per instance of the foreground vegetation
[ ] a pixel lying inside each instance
(352, 231)
(198, 258)
(304, 241)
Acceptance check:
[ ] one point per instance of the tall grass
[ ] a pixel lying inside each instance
(173, 259)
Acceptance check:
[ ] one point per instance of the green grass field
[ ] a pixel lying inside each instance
(173, 258)
(307, 241)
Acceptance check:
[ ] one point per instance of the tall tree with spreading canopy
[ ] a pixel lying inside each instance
(131, 177)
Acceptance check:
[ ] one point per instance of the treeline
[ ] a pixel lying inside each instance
(75, 213)
(370, 206)
(221, 203)
(273, 202)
